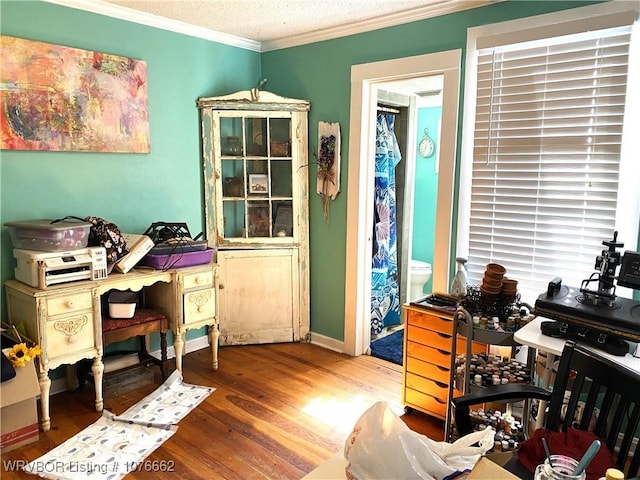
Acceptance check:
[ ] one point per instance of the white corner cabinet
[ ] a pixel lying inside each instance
(255, 164)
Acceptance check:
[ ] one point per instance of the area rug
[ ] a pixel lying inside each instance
(118, 444)
(389, 347)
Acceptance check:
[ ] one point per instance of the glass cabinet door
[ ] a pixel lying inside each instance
(256, 168)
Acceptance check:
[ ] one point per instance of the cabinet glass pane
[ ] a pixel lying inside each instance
(283, 218)
(255, 130)
(281, 178)
(232, 184)
(231, 136)
(259, 219)
(279, 137)
(233, 212)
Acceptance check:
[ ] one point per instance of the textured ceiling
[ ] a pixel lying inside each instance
(268, 20)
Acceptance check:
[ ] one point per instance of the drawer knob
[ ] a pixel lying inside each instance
(72, 338)
(71, 304)
(221, 286)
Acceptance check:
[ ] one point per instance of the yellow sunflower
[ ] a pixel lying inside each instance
(20, 354)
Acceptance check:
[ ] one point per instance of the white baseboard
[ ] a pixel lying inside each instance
(327, 342)
(62, 384)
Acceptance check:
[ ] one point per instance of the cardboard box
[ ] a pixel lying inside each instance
(18, 413)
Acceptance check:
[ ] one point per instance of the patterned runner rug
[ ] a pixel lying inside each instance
(117, 444)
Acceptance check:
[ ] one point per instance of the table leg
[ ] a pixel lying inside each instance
(163, 355)
(214, 333)
(178, 345)
(98, 369)
(45, 387)
(546, 380)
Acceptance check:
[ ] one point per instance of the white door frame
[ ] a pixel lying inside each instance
(364, 80)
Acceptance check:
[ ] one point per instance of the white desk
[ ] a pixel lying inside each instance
(66, 319)
(531, 336)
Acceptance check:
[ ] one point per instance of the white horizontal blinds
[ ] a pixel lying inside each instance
(548, 135)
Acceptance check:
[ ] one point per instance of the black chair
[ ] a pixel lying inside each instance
(589, 381)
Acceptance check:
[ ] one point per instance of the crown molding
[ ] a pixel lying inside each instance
(123, 13)
(150, 20)
(428, 11)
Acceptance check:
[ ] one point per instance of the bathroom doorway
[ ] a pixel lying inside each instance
(416, 105)
(365, 85)
(408, 114)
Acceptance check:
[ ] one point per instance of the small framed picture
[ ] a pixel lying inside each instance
(258, 183)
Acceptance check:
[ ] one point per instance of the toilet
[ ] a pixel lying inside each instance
(419, 275)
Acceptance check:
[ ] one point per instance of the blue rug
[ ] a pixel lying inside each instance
(390, 347)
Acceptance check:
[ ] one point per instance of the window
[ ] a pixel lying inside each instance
(544, 179)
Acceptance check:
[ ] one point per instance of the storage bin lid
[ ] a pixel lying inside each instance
(118, 296)
(44, 224)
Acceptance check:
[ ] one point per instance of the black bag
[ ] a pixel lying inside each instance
(106, 234)
(8, 372)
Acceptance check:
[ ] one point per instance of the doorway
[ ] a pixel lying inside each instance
(366, 80)
(408, 114)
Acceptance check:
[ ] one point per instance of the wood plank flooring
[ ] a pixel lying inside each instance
(278, 412)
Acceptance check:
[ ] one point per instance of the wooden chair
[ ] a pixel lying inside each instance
(594, 384)
(144, 321)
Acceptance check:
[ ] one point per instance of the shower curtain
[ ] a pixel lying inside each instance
(385, 299)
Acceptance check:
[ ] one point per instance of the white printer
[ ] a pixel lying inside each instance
(43, 269)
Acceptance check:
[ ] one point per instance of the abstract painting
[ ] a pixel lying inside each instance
(67, 99)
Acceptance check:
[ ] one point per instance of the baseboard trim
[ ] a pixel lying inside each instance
(327, 342)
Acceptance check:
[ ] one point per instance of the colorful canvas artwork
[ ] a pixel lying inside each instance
(67, 99)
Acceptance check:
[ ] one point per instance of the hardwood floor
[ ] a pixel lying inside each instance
(278, 411)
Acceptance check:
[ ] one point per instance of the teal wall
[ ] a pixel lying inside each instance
(321, 73)
(130, 190)
(425, 197)
(165, 185)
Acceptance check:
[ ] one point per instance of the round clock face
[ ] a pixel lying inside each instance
(426, 145)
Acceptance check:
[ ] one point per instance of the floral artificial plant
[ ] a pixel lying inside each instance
(23, 351)
(328, 175)
(20, 354)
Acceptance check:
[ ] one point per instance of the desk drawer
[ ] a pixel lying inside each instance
(428, 354)
(199, 305)
(439, 390)
(69, 303)
(199, 279)
(426, 403)
(69, 335)
(428, 370)
(441, 341)
(431, 322)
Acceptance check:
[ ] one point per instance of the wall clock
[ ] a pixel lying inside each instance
(426, 146)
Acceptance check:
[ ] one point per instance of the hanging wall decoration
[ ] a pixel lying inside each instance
(67, 99)
(328, 176)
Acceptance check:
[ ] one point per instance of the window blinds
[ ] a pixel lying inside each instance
(546, 154)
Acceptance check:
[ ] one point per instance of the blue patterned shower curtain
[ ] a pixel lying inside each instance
(385, 299)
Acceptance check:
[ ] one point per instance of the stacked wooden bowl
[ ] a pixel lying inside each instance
(496, 286)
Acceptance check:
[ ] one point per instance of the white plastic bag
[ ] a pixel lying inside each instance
(381, 446)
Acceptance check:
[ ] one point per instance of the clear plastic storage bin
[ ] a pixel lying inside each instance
(49, 237)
